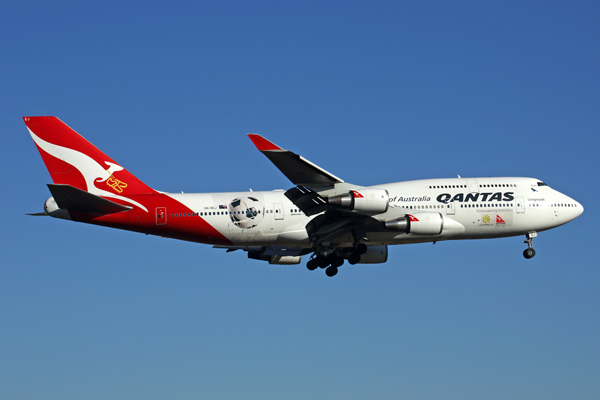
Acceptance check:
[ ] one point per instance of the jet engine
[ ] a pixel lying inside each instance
(419, 223)
(374, 255)
(373, 201)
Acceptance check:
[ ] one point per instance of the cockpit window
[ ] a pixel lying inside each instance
(541, 184)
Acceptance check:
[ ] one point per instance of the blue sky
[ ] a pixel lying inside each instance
(373, 92)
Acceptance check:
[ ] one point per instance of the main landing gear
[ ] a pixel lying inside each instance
(329, 262)
(359, 250)
(335, 259)
(530, 251)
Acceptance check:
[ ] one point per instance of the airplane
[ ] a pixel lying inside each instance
(321, 216)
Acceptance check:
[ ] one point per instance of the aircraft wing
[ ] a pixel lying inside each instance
(347, 210)
(295, 167)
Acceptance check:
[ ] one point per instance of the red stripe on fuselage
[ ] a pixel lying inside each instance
(192, 228)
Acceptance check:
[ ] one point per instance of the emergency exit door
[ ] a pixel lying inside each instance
(161, 215)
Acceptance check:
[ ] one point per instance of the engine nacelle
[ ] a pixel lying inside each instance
(374, 255)
(425, 223)
(373, 201)
(419, 223)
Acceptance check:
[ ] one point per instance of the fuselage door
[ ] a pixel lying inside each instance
(161, 215)
(278, 209)
(450, 208)
(520, 205)
(473, 185)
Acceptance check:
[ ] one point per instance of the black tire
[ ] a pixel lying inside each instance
(331, 271)
(329, 260)
(338, 262)
(312, 264)
(354, 259)
(321, 261)
(361, 248)
(529, 253)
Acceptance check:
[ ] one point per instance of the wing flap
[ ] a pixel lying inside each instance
(308, 201)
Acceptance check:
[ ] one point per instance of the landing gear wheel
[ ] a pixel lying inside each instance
(529, 253)
(338, 262)
(331, 259)
(321, 261)
(354, 259)
(312, 264)
(331, 271)
(361, 248)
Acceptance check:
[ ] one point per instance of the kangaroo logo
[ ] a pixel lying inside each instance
(92, 171)
(113, 182)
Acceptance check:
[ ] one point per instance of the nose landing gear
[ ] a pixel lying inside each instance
(530, 251)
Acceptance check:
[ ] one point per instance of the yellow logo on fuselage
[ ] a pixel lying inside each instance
(486, 219)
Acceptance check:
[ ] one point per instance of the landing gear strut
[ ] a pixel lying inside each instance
(530, 251)
(359, 248)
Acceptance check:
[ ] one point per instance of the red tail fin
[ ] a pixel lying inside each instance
(72, 160)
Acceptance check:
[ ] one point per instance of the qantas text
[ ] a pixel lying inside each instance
(466, 197)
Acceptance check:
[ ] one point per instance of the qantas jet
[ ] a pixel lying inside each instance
(321, 216)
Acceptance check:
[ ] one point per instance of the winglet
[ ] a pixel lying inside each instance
(263, 144)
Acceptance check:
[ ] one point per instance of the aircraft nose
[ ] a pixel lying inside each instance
(579, 208)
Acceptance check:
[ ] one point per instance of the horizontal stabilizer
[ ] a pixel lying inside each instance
(68, 197)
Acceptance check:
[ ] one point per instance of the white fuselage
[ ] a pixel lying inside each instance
(472, 208)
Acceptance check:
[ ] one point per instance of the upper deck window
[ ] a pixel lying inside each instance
(541, 184)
